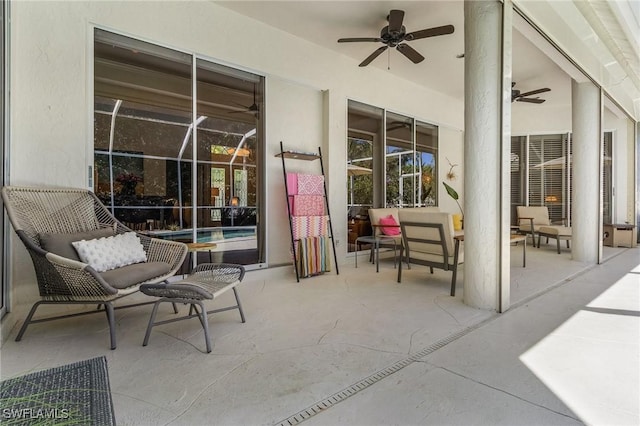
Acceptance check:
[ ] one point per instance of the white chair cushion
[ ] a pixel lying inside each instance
(104, 254)
(563, 231)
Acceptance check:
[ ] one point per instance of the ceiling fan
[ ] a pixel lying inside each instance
(394, 35)
(252, 109)
(522, 97)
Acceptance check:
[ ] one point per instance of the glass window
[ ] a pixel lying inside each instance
(400, 161)
(426, 171)
(166, 169)
(392, 161)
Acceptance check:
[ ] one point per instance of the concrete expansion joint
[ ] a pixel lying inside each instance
(376, 377)
(419, 356)
(506, 392)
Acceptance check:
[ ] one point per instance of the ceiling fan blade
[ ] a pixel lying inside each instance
(240, 105)
(395, 21)
(374, 55)
(253, 109)
(358, 39)
(535, 92)
(530, 100)
(430, 32)
(410, 53)
(246, 111)
(395, 125)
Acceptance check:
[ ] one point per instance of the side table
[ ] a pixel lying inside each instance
(619, 235)
(195, 248)
(376, 240)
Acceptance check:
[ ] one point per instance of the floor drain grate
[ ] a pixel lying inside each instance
(374, 378)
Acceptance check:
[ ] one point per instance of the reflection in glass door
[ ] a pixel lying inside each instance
(168, 170)
(364, 142)
(426, 171)
(217, 193)
(400, 159)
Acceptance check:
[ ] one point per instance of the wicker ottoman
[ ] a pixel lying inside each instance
(206, 282)
(557, 232)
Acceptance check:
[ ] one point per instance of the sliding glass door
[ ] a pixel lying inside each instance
(178, 146)
(541, 174)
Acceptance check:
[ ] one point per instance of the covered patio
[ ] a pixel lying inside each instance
(358, 338)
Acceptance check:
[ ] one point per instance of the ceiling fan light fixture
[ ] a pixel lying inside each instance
(395, 35)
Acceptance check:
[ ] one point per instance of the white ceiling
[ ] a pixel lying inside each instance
(324, 22)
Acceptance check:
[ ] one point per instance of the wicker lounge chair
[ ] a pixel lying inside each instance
(48, 220)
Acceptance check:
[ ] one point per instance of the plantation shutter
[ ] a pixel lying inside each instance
(547, 167)
(518, 174)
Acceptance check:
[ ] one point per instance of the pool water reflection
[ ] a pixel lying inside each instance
(207, 235)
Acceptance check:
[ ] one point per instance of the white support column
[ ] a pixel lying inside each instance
(585, 220)
(482, 154)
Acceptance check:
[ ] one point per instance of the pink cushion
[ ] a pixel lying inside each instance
(389, 226)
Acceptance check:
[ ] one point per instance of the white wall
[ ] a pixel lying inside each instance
(537, 118)
(302, 132)
(451, 148)
(307, 91)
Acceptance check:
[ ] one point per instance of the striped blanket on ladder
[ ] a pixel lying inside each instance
(313, 256)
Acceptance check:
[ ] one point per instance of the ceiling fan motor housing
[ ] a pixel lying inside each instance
(393, 38)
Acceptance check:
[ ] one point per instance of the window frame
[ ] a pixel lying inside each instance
(380, 157)
(197, 163)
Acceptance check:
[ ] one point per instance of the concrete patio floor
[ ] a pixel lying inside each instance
(360, 349)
